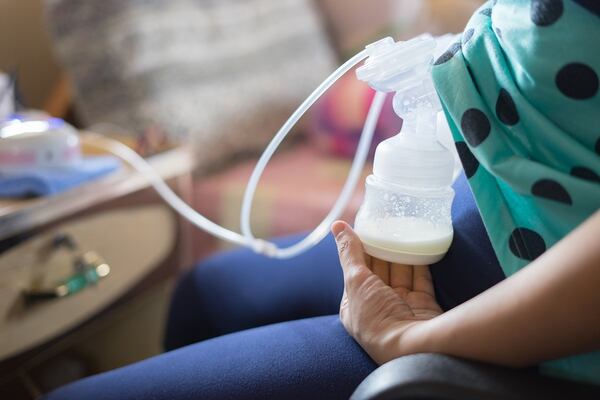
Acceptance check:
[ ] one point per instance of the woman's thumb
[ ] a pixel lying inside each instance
(349, 246)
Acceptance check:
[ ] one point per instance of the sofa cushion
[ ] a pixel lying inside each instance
(297, 190)
(224, 74)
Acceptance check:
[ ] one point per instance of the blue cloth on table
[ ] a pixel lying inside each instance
(49, 181)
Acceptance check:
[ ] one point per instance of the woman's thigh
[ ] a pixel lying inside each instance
(304, 359)
(239, 289)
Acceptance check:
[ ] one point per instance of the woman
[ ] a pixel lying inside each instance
(520, 92)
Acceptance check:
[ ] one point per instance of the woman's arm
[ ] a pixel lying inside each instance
(547, 310)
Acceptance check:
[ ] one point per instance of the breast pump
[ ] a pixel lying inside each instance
(405, 216)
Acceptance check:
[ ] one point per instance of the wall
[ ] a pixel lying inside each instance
(25, 45)
(354, 23)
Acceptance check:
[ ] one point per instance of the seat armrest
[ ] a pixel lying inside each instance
(436, 376)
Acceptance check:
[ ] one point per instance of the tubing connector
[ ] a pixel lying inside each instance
(265, 247)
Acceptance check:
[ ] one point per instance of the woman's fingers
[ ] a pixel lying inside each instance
(368, 261)
(422, 281)
(381, 269)
(352, 256)
(401, 276)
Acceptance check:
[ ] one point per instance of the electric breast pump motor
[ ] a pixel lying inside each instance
(34, 141)
(405, 217)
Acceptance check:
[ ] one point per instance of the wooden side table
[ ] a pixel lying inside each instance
(119, 217)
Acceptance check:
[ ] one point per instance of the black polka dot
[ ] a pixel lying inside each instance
(486, 11)
(526, 244)
(552, 190)
(545, 12)
(467, 35)
(585, 173)
(468, 160)
(506, 110)
(475, 126)
(592, 6)
(577, 81)
(597, 147)
(448, 54)
(498, 33)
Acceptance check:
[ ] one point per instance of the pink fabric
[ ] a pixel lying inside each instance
(337, 120)
(297, 190)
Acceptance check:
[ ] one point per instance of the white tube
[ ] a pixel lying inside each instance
(355, 172)
(247, 239)
(137, 162)
(282, 133)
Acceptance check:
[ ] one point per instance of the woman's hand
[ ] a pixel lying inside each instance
(508, 324)
(382, 303)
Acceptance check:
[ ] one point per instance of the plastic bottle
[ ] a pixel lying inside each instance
(405, 217)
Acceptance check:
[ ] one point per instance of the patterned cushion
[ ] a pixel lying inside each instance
(224, 73)
(338, 118)
(296, 192)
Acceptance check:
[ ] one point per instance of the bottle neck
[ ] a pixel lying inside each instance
(414, 157)
(421, 122)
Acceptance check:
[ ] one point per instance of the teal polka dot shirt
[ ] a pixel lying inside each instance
(520, 90)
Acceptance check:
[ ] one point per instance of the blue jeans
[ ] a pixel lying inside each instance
(243, 326)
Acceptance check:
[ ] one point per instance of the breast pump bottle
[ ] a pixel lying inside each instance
(405, 217)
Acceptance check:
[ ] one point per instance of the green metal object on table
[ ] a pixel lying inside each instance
(90, 268)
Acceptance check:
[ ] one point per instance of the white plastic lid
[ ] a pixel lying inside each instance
(409, 160)
(415, 157)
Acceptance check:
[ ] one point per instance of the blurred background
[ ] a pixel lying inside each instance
(35, 36)
(199, 87)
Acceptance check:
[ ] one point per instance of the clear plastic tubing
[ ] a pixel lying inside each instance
(141, 165)
(340, 204)
(247, 238)
(355, 170)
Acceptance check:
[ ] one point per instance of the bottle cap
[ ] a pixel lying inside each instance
(411, 160)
